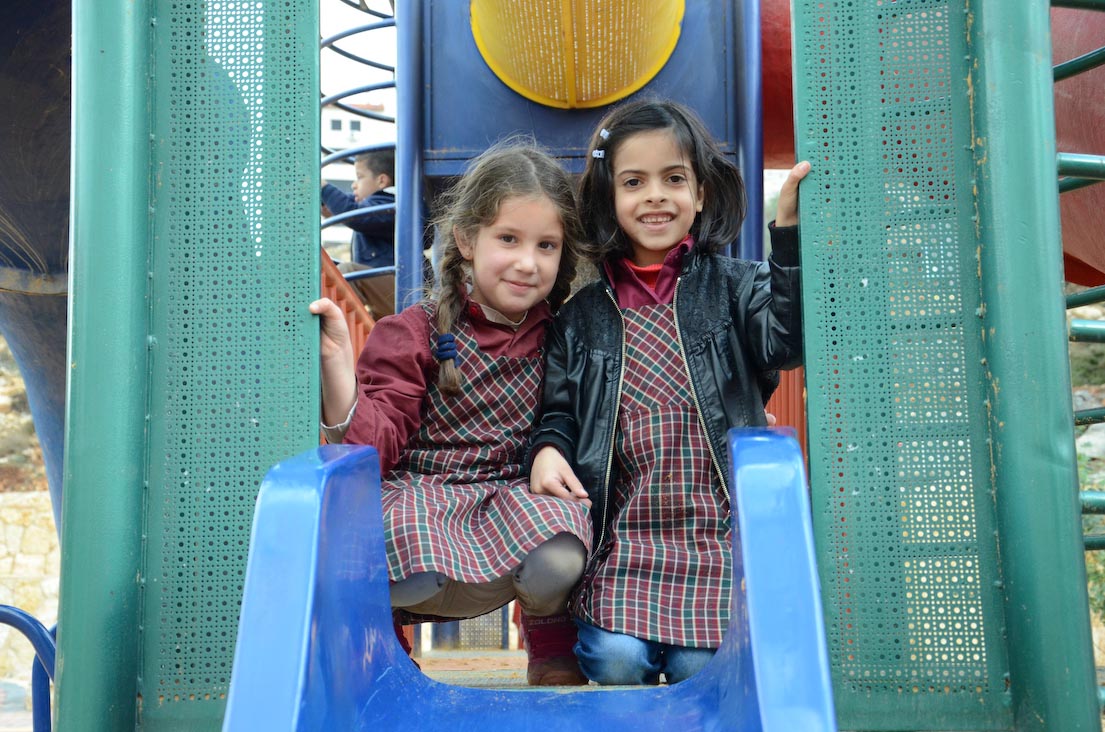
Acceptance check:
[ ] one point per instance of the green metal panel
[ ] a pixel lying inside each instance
(224, 203)
(919, 297)
(899, 448)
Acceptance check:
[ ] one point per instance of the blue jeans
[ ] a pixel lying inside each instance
(617, 658)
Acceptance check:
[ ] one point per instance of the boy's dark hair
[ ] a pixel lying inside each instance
(716, 226)
(513, 167)
(379, 161)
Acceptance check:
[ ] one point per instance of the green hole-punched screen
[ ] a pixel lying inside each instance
(899, 448)
(233, 370)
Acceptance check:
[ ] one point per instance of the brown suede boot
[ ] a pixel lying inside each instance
(548, 642)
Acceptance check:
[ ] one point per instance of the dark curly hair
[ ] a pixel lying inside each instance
(716, 226)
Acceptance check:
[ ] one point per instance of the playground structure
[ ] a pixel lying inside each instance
(941, 447)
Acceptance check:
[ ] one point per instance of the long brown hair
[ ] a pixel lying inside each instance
(513, 168)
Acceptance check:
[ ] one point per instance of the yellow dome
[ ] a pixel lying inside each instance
(576, 53)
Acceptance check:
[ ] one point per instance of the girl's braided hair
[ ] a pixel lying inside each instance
(514, 168)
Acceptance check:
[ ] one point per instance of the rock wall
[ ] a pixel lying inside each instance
(29, 560)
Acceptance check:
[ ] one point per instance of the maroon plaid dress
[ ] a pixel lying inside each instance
(664, 571)
(458, 502)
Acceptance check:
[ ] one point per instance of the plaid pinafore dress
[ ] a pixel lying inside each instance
(458, 500)
(664, 572)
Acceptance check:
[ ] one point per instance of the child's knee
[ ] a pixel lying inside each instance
(548, 574)
(417, 588)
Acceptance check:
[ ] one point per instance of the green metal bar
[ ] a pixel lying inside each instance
(1082, 166)
(1089, 416)
(1052, 674)
(1080, 4)
(1076, 66)
(1093, 502)
(1073, 184)
(98, 620)
(1087, 331)
(1094, 542)
(1086, 297)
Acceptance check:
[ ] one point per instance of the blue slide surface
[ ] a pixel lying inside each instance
(316, 649)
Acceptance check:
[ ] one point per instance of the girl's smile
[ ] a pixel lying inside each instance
(656, 194)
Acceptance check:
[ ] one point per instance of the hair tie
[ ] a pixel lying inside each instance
(604, 133)
(598, 153)
(446, 347)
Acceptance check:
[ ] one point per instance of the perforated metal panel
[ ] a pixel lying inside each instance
(486, 631)
(233, 372)
(904, 513)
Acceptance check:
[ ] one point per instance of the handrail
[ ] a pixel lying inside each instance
(331, 98)
(328, 43)
(1087, 331)
(363, 274)
(1093, 502)
(363, 113)
(330, 40)
(1079, 4)
(347, 154)
(1077, 65)
(364, 9)
(1084, 417)
(1094, 542)
(42, 640)
(1086, 297)
(1083, 166)
(361, 59)
(1073, 184)
(356, 213)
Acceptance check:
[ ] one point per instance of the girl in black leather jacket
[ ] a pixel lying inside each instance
(646, 371)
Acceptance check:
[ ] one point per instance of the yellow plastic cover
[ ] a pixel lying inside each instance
(576, 53)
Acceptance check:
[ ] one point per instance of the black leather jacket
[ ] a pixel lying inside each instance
(738, 321)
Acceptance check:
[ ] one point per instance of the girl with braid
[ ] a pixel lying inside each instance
(447, 392)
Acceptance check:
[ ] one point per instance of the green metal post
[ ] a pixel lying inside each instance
(1051, 663)
(98, 628)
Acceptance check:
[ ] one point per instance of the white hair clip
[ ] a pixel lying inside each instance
(598, 153)
(604, 133)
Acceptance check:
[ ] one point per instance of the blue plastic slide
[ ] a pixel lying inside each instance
(316, 649)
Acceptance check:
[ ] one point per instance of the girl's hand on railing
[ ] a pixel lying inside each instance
(786, 213)
(336, 362)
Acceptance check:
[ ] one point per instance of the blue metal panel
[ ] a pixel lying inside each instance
(467, 107)
(316, 649)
